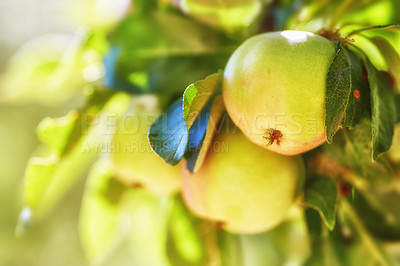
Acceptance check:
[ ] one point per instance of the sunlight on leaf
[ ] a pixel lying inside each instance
(54, 132)
(98, 225)
(196, 96)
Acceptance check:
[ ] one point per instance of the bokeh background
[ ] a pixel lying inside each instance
(35, 35)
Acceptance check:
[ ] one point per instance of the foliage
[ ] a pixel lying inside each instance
(177, 50)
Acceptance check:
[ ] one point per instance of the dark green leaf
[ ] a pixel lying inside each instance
(160, 53)
(344, 92)
(155, 35)
(397, 104)
(321, 195)
(352, 149)
(165, 75)
(338, 88)
(382, 111)
(314, 222)
(144, 6)
(359, 96)
(358, 151)
(379, 212)
(323, 253)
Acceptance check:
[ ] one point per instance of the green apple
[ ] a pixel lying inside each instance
(135, 163)
(274, 89)
(246, 188)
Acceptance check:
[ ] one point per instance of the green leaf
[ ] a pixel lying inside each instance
(231, 251)
(119, 223)
(72, 165)
(186, 242)
(379, 212)
(393, 27)
(397, 105)
(165, 74)
(98, 226)
(338, 89)
(168, 135)
(344, 92)
(39, 173)
(364, 44)
(374, 248)
(314, 222)
(157, 48)
(197, 95)
(383, 111)
(144, 6)
(352, 149)
(359, 100)
(321, 195)
(144, 225)
(63, 133)
(54, 132)
(323, 253)
(225, 14)
(46, 70)
(155, 35)
(391, 56)
(357, 155)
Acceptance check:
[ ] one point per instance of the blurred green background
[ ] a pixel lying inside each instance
(30, 31)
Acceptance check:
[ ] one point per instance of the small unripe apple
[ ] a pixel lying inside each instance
(245, 188)
(135, 163)
(274, 89)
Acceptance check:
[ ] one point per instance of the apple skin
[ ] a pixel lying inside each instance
(135, 163)
(246, 188)
(275, 83)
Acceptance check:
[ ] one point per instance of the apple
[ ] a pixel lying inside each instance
(274, 89)
(245, 188)
(135, 163)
